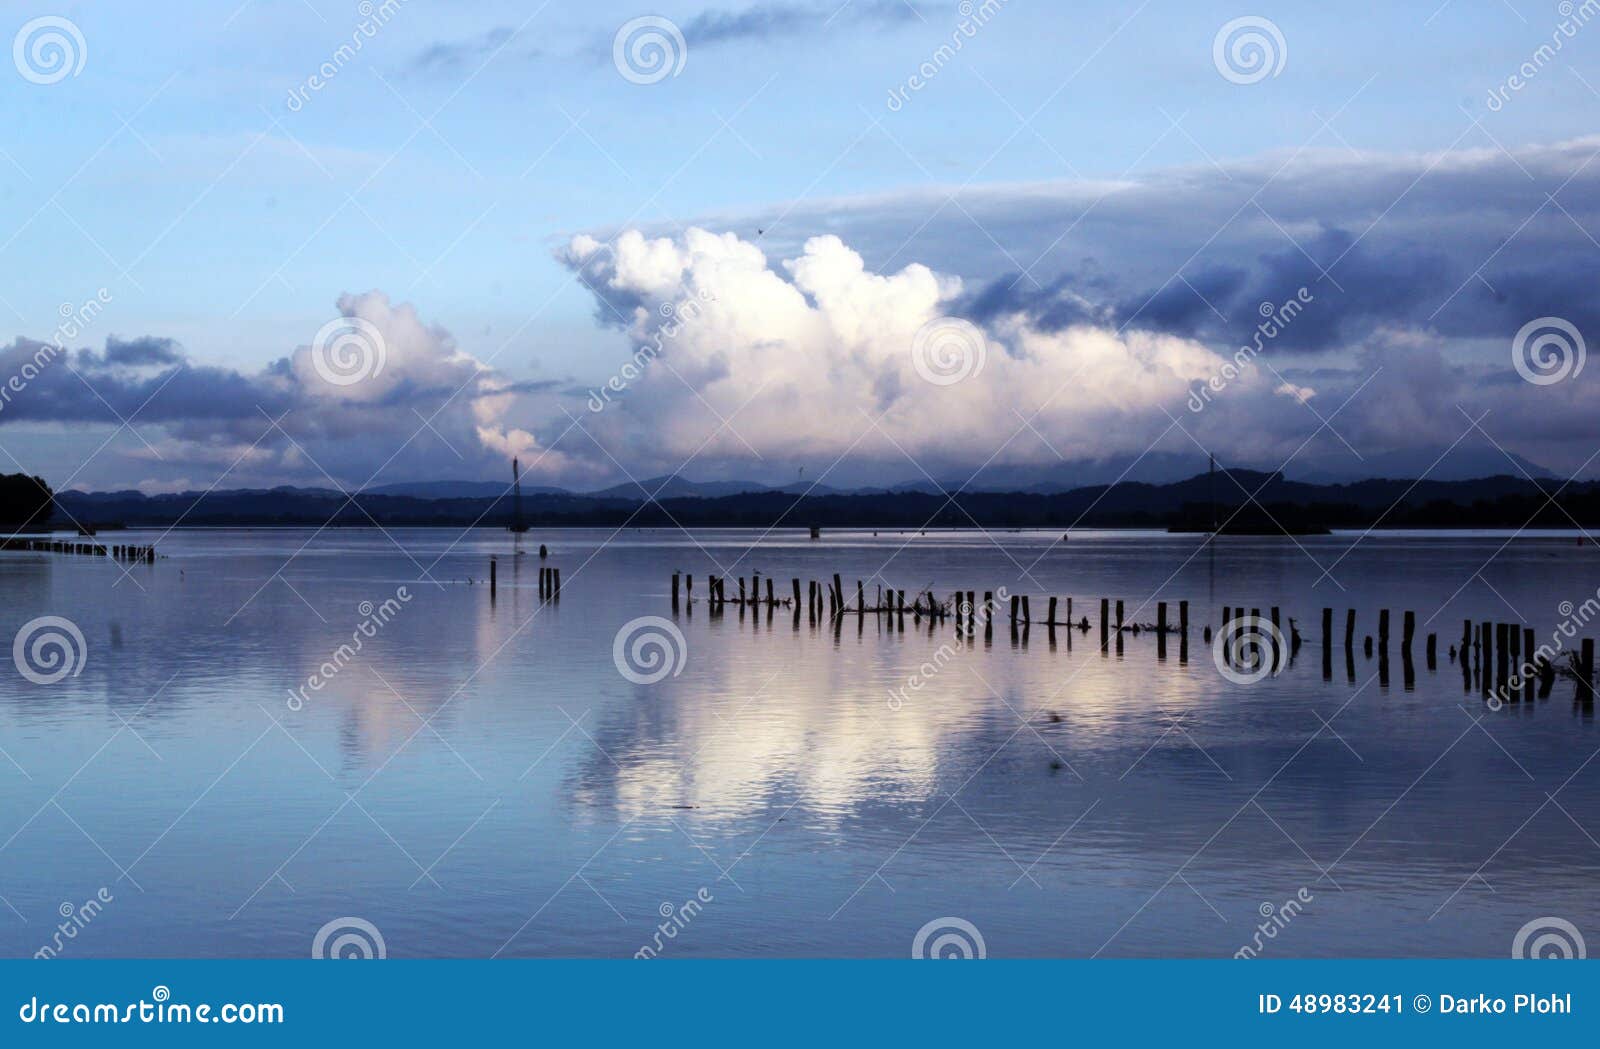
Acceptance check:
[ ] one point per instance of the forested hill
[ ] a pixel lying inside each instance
(1495, 502)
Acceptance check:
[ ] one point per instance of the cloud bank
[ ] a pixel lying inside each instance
(377, 392)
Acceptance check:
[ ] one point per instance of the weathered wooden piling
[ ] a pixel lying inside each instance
(1485, 659)
(1383, 627)
(1502, 663)
(988, 615)
(1161, 619)
(1105, 621)
(1433, 651)
(1531, 670)
(1349, 627)
(495, 565)
(1027, 616)
(1408, 630)
(674, 591)
(1183, 618)
(1119, 617)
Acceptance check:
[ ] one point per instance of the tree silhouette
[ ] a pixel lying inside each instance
(25, 502)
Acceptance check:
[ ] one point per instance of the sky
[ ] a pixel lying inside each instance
(343, 245)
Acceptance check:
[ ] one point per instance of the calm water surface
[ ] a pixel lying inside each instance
(481, 779)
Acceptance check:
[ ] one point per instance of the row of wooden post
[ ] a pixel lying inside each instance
(827, 600)
(135, 554)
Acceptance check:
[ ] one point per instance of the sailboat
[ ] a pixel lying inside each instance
(517, 525)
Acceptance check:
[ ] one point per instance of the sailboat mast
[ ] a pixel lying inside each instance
(1213, 477)
(516, 495)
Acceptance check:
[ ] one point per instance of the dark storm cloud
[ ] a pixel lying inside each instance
(767, 21)
(762, 22)
(1469, 245)
(446, 56)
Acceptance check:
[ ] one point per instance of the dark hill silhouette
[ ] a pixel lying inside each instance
(26, 503)
(1493, 502)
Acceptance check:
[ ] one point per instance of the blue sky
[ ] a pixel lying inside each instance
(450, 164)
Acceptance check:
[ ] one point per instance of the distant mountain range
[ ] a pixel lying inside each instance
(1261, 501)
(1461, 463)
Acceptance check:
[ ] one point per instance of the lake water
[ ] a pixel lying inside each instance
(481, 778)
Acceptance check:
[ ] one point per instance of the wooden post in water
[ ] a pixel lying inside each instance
(1327, 644)
(1349, 627)
(1119, 619)
(1161, 619)
(1027, 616)
(1383, 628)
(555, 582)
(1408, 630)
(494, 565)
(1502, 662)
(1051, 615)
(1515, 638)
(1105, 621)
(1586, 671)
(1015, 601)
(1532, 671)
(674, 591)
(1433, 651)
(1183, 618)
(1485, 658)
